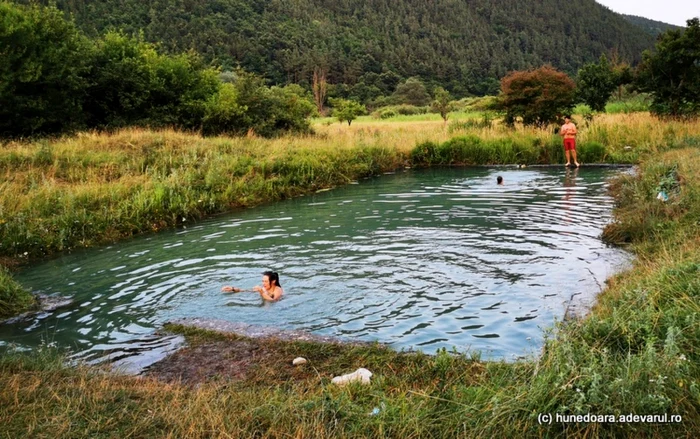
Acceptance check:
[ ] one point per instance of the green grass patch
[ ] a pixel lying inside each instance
(392, 114)
(70, 202)
(473, 150)
(629, 104)
(643, 217)
(13, 298)
(634, 104)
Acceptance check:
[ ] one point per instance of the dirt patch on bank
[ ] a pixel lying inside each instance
(238, 352)
(228, 360)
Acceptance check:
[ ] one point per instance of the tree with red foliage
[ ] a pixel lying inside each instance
(539, 97)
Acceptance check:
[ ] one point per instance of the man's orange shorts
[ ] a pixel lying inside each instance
(569, 144)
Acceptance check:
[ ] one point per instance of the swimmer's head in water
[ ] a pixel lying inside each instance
(499, 180)
(271, 277)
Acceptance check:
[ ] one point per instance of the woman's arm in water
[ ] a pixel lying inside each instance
(228, 289)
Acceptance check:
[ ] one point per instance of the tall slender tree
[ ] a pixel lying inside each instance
(441, 102)
(320, 89)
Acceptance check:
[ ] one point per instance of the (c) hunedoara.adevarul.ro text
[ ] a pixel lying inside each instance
(548, 418)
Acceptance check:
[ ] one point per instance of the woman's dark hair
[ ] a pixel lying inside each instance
(273, 276)
(499, 179)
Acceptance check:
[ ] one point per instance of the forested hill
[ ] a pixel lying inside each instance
(651, 26)
(464, 45)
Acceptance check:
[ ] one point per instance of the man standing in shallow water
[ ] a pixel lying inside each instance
(568, 132)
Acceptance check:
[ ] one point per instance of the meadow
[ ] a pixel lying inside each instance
(636, 353)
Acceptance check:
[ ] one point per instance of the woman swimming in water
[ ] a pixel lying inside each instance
(271, 290)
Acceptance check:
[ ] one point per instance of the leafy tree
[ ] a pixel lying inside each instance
(119, 82)
(412, 92)
(442, 103)
(43, 63)
(538, 96)
(364, 93)
(245, 104)
(373, 89)
(290, 109)
(622, 72)
(346, 110)
(623, 76)
(672, 73)
(222, 111)
(253, 95)
(596, 83)
(387, 82)
(179, 89)
(132, 84)
(52, 79)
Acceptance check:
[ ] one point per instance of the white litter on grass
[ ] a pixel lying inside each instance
(299, 361)
(361, 375)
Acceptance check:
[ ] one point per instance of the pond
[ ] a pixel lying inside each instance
(421, 259)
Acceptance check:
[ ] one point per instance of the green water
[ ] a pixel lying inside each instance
(419, 259)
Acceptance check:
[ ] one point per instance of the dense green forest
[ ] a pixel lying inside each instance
(651, 26)
(54, 79)
(369, 45)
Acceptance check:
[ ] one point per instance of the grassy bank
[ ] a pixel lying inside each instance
(91, 189)
(636, 353)
(13, 298)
